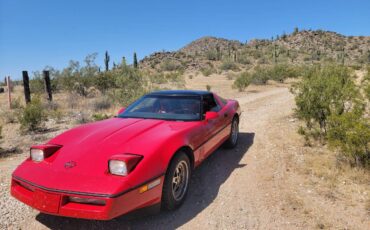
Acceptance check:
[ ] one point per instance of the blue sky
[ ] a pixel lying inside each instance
(37, 33)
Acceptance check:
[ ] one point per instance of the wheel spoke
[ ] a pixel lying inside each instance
(180, 180)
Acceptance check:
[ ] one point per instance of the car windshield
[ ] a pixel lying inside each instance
(165, 107)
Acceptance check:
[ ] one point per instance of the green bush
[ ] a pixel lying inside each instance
(229, 65)
(99, 117)
(37, 85)
(324, 91)
(130, 85)
(32, 115)
(351, 134)
(207, 71)
(104, 81)
(242, 81)
(281, 71)
(333, 108)
(260, 76)
(208, 87)
(170, 65)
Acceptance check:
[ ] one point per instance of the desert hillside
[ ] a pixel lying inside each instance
(299, 47)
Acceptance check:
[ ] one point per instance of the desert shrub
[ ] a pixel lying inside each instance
(260, 76)
(56, 114)
(212, 55)
(82, 118)
(102, 104)
(350, 132)
(242, 81)
(262, 60)
(37, 85)
(229, 65)
(32, 115)
(130, 85)
(80, 89)
(206, 71)
(333, 108)
(208, 87)
(104, 81)
(99, 116)
(175, 76)
(243, 59)
(170, 65)
(1, 130)
(325, 91)
(281, 71)
(231, 76)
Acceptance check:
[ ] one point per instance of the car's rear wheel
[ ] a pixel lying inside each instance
(232, 141)
(176, 182)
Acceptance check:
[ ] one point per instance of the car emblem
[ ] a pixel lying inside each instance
(69, 164)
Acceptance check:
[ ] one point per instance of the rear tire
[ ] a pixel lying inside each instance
(232, 141)
(176, 182)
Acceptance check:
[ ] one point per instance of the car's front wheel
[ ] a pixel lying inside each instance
(176, 182)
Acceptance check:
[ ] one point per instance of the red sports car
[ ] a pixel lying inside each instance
(142, 157)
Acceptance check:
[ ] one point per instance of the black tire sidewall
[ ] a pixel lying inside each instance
(229, 143)
(168, 201)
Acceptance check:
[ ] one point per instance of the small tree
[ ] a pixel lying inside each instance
(323, 92)
(135, 61)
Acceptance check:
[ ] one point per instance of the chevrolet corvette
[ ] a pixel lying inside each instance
(144, 156)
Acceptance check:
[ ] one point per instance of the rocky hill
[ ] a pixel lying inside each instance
(299, 47)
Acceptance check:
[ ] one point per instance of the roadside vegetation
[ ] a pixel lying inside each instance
(335, 111)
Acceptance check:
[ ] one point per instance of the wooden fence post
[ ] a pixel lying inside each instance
(47, 85)
(26, 86)
(9, 84)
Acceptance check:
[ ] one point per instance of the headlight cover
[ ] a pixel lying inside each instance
(123, 164)
(40, 152)
(37, 155)
(118, 167)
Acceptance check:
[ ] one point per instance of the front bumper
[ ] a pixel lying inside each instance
(59, 203)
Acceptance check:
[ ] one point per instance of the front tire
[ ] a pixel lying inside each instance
(176, 182)
(232, 141)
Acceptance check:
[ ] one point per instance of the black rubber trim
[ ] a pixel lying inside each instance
(87, 193)
(195, 149)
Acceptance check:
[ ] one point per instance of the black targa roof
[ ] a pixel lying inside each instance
(181, 92)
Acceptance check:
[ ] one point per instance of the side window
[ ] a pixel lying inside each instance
(209, 104)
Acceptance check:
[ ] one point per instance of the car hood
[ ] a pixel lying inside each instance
(88, 148)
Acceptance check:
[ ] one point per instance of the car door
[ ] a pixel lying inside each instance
(211, 127)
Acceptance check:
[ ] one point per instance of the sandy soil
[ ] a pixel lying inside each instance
(269, 181)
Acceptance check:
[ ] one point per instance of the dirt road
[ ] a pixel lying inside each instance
(255, 186)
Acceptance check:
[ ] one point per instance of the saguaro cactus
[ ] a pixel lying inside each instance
(275, 53)
(135, 61)
(106, 61)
